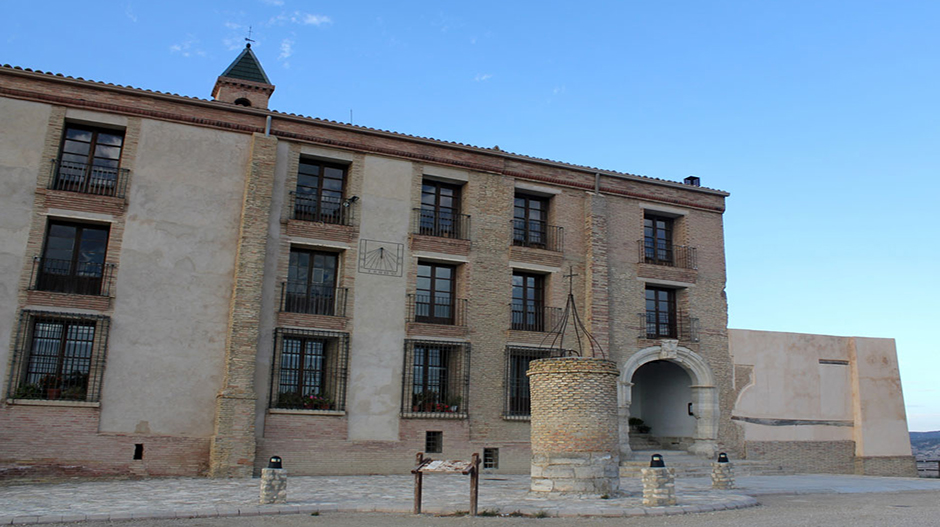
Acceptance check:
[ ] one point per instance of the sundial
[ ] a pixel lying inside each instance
(378, 257)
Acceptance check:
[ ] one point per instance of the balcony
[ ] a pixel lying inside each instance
(680, 256)
(72, 278)
(662, 326)
(306, 207)
(538, 235)
(444, 311)
(441, 224)
(88, 179)
(299, 297)
(534, 316)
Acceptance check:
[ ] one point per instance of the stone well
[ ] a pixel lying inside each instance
(575, 441)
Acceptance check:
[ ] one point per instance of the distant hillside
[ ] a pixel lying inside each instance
(926, 445)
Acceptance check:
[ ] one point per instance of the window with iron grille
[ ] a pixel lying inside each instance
(434, 441)
(311, 284)
(309, 371)
(490, 458)
(530, 214)
(661, 320)
(58, 356)
(319, 193)
(89, 161)
(73, 260)
(528, 301)
(434, 293)
(657, 240)
(440, 210)
(436, 379)
(518, 402)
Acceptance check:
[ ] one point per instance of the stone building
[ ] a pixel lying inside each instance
(189, 286)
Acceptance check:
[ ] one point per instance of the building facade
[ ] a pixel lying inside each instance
(191, 286)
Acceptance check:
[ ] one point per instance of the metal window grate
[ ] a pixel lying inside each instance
(517, 402)
(490, 458)
(59, 356)
(309, 370)
(436, 379)
(433, 442)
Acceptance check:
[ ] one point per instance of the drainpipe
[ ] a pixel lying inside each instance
(597, 183)
(267, 126)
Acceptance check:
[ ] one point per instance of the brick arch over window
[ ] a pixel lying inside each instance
(704, 394)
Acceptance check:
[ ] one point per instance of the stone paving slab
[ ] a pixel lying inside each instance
(443, 494)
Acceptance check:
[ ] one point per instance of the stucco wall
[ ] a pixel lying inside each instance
(799, 387)
(21, 140)
(173, 291)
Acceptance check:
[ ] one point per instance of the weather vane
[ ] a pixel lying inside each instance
(248, 38)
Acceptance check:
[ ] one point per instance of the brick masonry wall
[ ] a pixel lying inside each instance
(810, 457)
(574, 406)
(900, 466)
(232, 451)
(72, 446)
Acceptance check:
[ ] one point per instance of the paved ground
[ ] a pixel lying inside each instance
(205, 498)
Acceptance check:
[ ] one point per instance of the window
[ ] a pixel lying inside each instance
(310, 370)
(90, 161)
(517, 382)
(436, 379)
(490, 458)
(59, 356)
(528, 307)
(73, 260)
(657, 240)
(529, 221)
(434, 294)
(440, 210)
(434, 441)
(319, 193)
(311, 284)
(661, 318)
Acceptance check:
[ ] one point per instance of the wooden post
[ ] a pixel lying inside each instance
(419, 460)
(474, 482)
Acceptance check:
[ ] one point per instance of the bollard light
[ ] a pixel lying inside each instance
(722, 458)
(275, 462)
(657, 461)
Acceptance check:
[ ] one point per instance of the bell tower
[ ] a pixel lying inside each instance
(244, 82)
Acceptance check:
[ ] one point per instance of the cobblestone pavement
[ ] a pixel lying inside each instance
(195, 497)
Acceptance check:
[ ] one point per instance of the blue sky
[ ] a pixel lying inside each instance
(820, 119)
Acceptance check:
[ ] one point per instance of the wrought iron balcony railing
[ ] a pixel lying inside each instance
(534, 316)
(442, 309)
(538, 234)
(75, 278)
(668, 326)
(300, 297)
(88, 179)
(670, 255)
(307, 207)
(440, 223)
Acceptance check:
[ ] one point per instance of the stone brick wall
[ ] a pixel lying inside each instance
(810, 457)
(72, 446)
(903, 466)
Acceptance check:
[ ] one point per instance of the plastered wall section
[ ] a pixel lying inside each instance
(376, 344)
(880, 419)
(172, 296)
(21, 140)
(787, 382)
(849, 386)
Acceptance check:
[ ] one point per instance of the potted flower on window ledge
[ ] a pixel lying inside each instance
(318, 402)
(51, 385)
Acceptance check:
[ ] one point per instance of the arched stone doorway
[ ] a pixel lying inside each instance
(670, 377)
